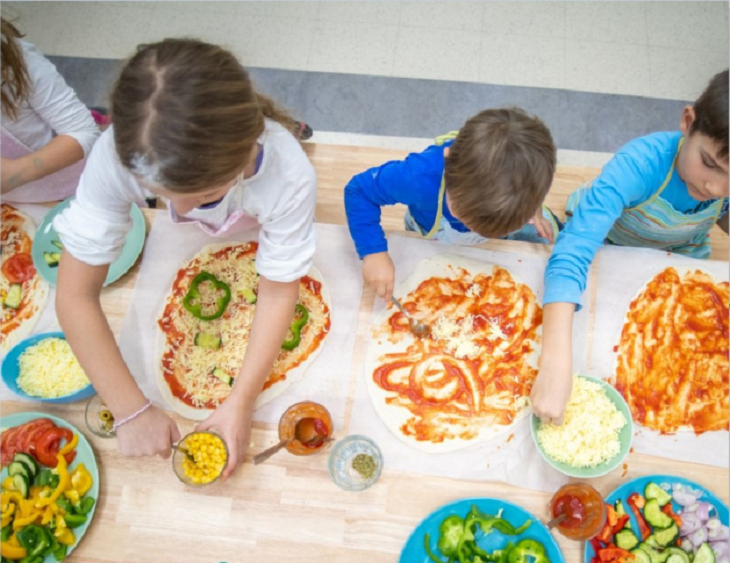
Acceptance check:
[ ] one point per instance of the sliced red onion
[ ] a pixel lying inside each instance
(721, 548)
(665, 486)
(703, 511)
(725, 559)
(713, 524)
(698, 537)
(721, 533)
(690, 523)
(686, 545)
(691, 508)
(683, 498)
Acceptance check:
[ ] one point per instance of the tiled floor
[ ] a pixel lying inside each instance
(663, 50)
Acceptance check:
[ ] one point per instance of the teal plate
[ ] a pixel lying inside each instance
(84, 454)
(46, 234)
(626, 435)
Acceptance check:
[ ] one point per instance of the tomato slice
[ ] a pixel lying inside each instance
(19, 268)
(26, 443)
(47, 445)
(7, 446)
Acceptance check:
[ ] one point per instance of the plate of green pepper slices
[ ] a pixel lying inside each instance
(481, 530)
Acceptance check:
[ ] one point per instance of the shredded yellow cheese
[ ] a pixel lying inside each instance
(50, 370)
(458, 338)
(589, 435)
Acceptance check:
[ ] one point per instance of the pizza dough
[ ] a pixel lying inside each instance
(190, 367)
(672, 364)
(18, 230)
(470, 380)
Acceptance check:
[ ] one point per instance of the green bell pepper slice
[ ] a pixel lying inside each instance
(301, 316)
(65, 505)
(60, 553)
(35, 539)
(431, 555)
(450, 532)
(87, 503)
(192, 303)
(528, 551)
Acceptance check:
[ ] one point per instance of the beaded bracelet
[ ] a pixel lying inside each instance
(131, 416)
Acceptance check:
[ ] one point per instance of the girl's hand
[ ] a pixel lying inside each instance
(151, 433)
(543, 226)
(551, 390)
(379, 274)
(232, 420)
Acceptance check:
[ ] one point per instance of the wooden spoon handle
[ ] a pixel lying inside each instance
(266, 454)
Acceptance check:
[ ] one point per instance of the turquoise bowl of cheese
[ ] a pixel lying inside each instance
(590, 434)
(11, 371)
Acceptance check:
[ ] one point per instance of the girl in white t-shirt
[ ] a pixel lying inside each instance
(46, 130)
(187, 127)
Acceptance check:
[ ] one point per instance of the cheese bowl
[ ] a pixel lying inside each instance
(11, 370)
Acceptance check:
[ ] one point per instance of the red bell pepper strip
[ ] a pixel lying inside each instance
(611, 515)
(635, 502)
(620, 523)
(596, 544)
(669, 511)
(606, 533)
(610, 554)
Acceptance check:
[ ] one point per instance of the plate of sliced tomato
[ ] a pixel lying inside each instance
(49, 488)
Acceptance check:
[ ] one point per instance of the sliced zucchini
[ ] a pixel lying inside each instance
(29, 462)
(654, 491)
(705, 554)
(222, 375)
(678, 552)
(640, 556)
(210, 341)
(15, 296)
(57, 244)
(18, 468)
(654, 554)
(625, 539)
(249, 295)
(667, 536)
(654, 515)
(21, 484)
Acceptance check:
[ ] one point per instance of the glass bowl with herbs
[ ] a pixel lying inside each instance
(355, 463)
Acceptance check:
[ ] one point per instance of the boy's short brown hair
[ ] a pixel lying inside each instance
(711, 113)
(499, 170)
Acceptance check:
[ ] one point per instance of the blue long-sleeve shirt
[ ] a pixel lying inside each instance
(414, 182)
(632, 176)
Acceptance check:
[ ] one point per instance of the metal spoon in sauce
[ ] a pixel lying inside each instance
(417, 328)
(305, 432)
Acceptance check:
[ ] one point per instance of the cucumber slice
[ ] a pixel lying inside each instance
(210, 341)
(654, 491)
(675, 551)
(52, 259)
(15, 296)
(705, 554)
(655, 555)
(29, 462)
(667, 536)
(21, 484)
(222, 375)
(43, 478)
(18, 468)
(625, 539)
(654, 515)
(640, 556)
(57, 244)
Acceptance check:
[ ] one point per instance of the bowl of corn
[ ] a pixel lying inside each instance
(200, 458)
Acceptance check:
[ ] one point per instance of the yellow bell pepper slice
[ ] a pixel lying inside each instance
(65, 536)
(12, 552)
(81, 480)
(70, 446)
(63, 483)
(48, 515)
(26, 521)
(14, 541)
(8, 484)
(73, 496)
(7, 516)
(60, 523)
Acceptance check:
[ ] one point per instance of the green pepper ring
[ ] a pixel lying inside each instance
(193, 293)
(296, 327)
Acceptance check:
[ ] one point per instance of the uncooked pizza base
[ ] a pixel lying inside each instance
(442, 265)
(294, 375)
(38, 289)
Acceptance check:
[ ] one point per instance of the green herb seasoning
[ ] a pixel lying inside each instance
(364, 465)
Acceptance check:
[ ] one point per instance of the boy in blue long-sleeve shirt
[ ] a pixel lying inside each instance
(487, 181)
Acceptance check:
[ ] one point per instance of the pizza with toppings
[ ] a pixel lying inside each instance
(204, 327)
(469, 380)
(672, 365)
(22, 291)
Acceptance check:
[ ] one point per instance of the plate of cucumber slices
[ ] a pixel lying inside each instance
(662, 519)
(47, 246)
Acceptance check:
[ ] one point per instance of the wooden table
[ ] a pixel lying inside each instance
(288, 509)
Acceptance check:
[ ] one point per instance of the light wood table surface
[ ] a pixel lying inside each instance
(287, 509)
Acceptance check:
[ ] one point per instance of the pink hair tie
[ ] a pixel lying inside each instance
(131, 417)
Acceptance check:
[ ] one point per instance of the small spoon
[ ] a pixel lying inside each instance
(555, 521)
(417, 328)
(305, 433)
(184, 451)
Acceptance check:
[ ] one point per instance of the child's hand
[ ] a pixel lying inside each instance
(232, 420)
(543, 226)
(151, 433)
(551, 392)
(379, 273)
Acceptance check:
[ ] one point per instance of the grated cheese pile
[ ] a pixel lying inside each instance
(50, 370)
(458, 337)
(590, 434)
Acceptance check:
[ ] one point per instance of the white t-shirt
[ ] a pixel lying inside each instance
(52, 108)
(281, 195)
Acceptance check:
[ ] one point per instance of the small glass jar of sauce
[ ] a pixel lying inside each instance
(583, 508)
(302, 423)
